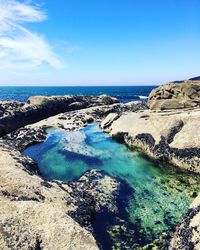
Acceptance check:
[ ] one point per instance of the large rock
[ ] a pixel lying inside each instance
(41, 107)
(40, 214)
(169, 136)
(33, 212)
(175, 95)
(35, 225)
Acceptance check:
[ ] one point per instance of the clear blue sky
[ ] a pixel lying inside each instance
(100, 42)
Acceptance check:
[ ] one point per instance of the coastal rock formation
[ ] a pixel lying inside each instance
(40, 214)
(43, 214)
(175, 95)
(187, 234)
(166, 131)
(165, 136)
(95, 191)
(72, 120)
(40, 107)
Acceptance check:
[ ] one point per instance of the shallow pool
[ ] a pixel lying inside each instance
(153, 200)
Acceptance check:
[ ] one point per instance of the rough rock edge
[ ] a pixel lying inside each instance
(186, 158)
(182, 239)
(40, 107)
(175, 95)
(83, 196)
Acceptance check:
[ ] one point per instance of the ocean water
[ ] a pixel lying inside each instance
(123, 93)
(153, 199)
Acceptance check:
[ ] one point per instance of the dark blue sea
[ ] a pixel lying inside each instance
(123, 93)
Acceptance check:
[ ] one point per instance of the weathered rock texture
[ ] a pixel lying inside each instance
(72, 120)
(109, 120)
(40, 107)
(36, 214)
(170, 136)
(167, 131)
(40, 214)
(187, 234)
(175, 95)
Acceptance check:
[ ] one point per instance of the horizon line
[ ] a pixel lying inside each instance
(145, 85)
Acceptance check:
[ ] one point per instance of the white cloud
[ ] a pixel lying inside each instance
(21, 48)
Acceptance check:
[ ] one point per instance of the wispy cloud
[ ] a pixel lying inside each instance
(20, 48)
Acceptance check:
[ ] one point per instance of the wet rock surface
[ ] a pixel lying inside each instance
(96, 191)
(7, 107)
(24, 137)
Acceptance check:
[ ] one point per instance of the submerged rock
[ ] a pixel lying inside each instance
(93, 192)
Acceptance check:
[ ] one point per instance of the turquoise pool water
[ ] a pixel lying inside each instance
(153, 201)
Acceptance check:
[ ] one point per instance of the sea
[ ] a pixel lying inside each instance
(123, 93)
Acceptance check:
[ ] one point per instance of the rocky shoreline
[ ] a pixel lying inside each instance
(40, 214)
(26, 193)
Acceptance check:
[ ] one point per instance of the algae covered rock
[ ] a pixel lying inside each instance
(187, 234)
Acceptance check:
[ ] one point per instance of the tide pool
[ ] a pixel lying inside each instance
(154, 198)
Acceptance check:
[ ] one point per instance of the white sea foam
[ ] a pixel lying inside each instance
(143, 97)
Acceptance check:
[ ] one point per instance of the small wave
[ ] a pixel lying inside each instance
(131, 96)
(143, 97)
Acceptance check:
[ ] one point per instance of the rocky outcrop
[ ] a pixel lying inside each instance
(175, 95)
(72, 120)
(197, 78)
(40, 214)
(169, 136)
(168, 131)
(40, 107)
